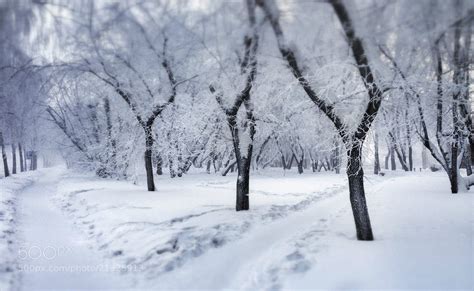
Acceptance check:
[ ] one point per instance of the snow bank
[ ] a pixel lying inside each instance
(9, 188)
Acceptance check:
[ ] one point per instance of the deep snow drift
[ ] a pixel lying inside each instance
(299, 233)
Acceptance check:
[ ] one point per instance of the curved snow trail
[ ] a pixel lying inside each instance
(265, 255)
(53, 254)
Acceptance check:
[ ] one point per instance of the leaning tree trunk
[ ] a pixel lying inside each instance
(228, 168)
(13, 158)
(20, 151)
(355, 175)
(148, 159)
(4, 156)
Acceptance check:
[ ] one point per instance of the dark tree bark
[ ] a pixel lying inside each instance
(6, 171)
(34, 161)
(376, 153)
(25, 160)
(456, 140)
(400, 153)
(13, 158)
(243, 181)
(148, 159)
(111, 142)
(337, 158)
(353, 142)
(228, 168)
(289, 163)
(355, 175)
(300, 160)
(393, 164)
(243, 149)
(408, 133)
(299, 164)
(159, 165)
(262, 148)
(145, 122)
(20, 152)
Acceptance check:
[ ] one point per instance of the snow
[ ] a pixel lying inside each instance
(164, 230)
(9, 189)
(52, 255)
(299, 233)
(424, 240)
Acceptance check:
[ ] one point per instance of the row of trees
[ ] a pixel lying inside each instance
(20, 81)
(236, 86)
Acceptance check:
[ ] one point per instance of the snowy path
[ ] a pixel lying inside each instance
(52, 253)
(263, 256)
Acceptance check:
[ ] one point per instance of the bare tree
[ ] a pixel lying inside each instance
(353, 141)
(243, 131)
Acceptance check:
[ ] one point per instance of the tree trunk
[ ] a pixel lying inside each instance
(457, 79)
(13, 158)
(408, 132)
(260, 151)
(148, 159)
(159, 165)
(243, 179)
(33, 160)
(453, 180)
(376, 154)
(387, 157)
(4, 156)
(467, 162)
(314, 165)
(208, 166)
(229, 167)
(300, 166)
(111, 142)
(337, 158)
(290, 163)
(392, 158)
(25, 160)
(410, 157)
(355, 175)
(20, 151)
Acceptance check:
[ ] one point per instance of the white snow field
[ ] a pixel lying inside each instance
(82, 232)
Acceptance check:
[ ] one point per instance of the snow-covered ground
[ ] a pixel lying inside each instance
(9, 190)
(52, 253)
(299, 233)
